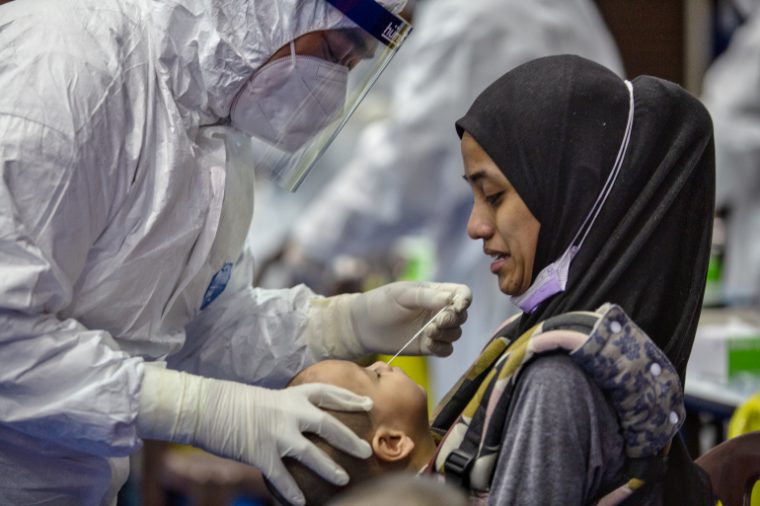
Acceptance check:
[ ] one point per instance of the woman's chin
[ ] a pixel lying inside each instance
(506, 287)
(512, 287)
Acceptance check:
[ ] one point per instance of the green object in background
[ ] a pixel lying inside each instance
(419, 258)
(744, 355)
(714, 284)
(714, 269)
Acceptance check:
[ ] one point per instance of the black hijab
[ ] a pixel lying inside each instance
(554, 127)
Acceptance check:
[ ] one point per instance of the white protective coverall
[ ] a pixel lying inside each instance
(406, 172)
(731, 92)
(121, 215)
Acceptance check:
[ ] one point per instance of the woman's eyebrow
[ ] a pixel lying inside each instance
(474, 177)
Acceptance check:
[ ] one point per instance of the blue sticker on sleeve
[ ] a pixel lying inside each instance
(218, 284)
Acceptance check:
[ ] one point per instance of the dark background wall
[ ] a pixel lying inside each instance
(650, 35)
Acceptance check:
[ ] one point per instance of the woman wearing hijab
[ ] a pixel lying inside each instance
(588, 189)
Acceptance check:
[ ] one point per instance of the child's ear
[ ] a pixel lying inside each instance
(391, 445)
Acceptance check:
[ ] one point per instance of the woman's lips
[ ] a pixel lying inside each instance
(497, 264)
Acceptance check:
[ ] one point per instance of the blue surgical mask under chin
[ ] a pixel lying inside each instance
(553, 278)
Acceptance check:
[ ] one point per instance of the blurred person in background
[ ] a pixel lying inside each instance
(731, 92)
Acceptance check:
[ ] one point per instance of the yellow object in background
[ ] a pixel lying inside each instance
(746, 419)
(418, 256)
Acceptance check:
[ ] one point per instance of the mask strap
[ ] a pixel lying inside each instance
(293, 53)
(585, 227)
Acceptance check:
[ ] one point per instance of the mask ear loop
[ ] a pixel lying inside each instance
(586, 226)
(292, 53)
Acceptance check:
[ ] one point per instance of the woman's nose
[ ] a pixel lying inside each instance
(478, 225)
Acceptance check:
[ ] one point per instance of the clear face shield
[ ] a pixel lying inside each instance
(294, 106)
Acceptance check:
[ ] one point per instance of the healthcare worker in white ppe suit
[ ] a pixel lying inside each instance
(129, 132)
(731, 92)
(405, 174)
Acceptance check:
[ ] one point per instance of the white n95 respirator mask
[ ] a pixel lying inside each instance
(292, 108)
(290, 100)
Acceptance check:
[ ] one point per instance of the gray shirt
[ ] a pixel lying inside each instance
(563, 443)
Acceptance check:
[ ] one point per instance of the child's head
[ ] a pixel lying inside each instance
(396, 427)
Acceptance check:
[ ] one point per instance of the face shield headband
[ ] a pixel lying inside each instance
(294, 107)
(553, 278)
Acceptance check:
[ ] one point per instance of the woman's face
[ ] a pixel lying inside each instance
(501, 219)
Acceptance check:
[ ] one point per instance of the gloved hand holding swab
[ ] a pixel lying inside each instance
(416, 335)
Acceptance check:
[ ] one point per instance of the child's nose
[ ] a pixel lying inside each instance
(381, 366)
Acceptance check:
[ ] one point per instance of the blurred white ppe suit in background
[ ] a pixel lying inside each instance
(731, 92)
(745, 7)
(406, 170)
(123, 212)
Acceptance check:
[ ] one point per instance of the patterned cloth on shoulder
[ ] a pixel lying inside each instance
(637, 377)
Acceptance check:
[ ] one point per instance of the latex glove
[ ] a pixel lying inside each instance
(250, 424)
(384, 319)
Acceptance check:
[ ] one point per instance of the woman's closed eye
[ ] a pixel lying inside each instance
(495, 198)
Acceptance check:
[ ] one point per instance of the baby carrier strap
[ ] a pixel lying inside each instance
(631, 370)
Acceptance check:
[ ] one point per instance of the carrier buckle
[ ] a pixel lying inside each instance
(457, 467)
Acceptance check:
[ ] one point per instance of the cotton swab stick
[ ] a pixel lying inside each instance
(416, 335)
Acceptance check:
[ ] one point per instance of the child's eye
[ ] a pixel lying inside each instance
(495, 198)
